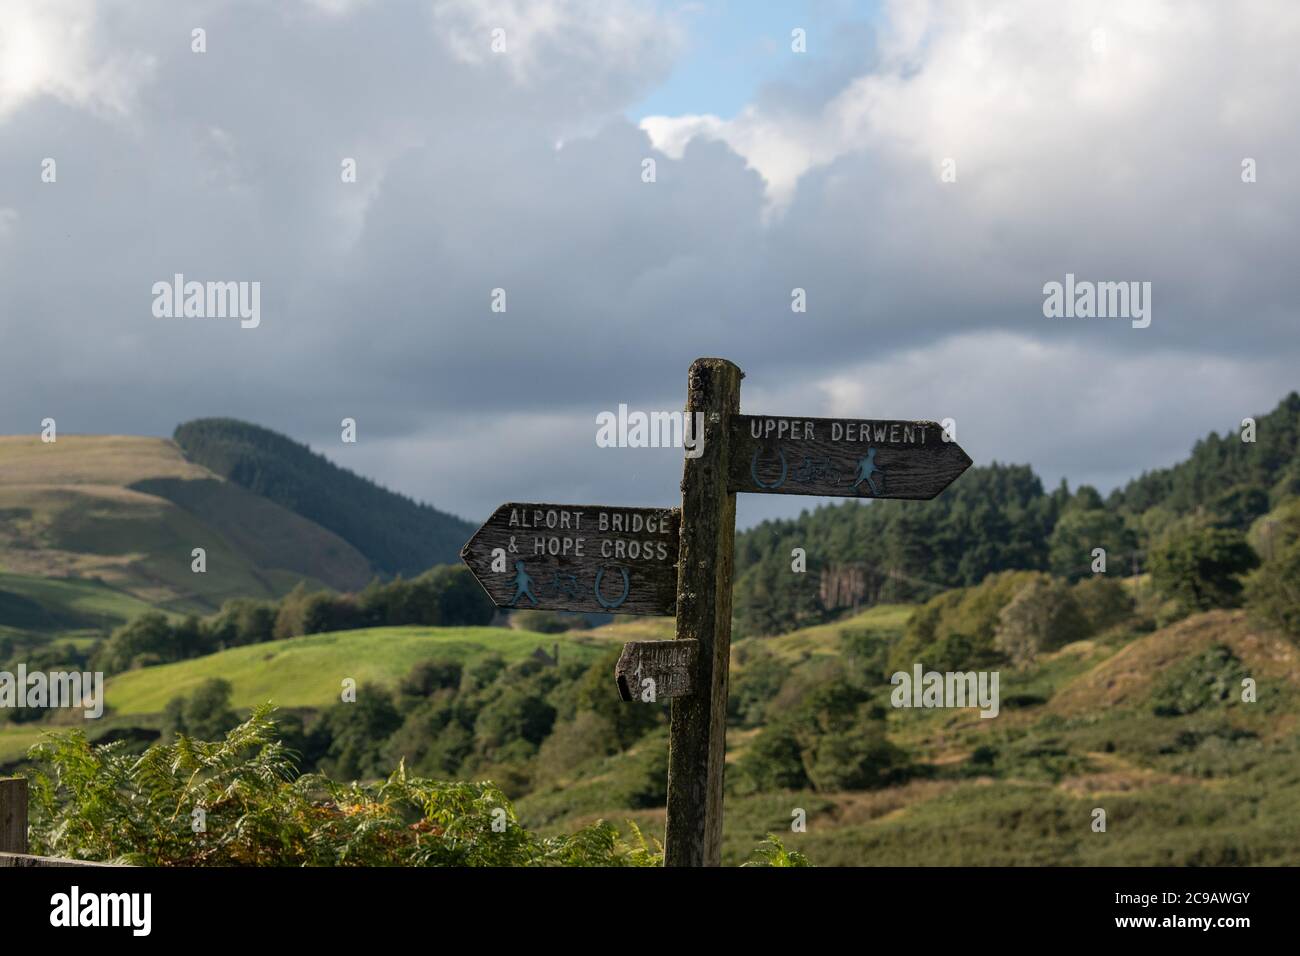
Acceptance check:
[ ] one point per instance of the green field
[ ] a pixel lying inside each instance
(71, 608)
(308, 671)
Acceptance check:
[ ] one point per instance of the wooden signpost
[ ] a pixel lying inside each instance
(578, 558)
(837, 456)
(666, 561)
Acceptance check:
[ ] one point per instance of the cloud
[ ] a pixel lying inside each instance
(56, 48)
(1117, 160)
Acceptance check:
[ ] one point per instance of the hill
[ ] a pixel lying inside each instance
(1149, 727)
(999, 517)
(307, 671)
(396, 534)
(124, 513)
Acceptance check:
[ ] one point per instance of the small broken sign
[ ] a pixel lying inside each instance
(651, 671)
(578, 558)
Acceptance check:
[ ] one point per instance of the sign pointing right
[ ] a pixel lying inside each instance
(846, 457)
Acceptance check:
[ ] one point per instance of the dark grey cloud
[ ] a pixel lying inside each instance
(518, 171)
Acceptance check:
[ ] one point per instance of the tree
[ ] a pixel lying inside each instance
(1200, 568)
(357, 733)
(1104, 601)
(1079, 531)
(148, 636)
(1043, 616)
(1273, 592)
(461, 600)
(242, 621)
(773, 761)
(206, 714)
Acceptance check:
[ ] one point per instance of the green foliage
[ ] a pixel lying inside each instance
(773, 761)
(397, 535)
(547, 622)
(1276, 531)
(442, 596)
(1207, 680)
(772, 852)
(1042, 617)
(595, 692)
(357, 731)
(149, 639)
(205, 714)
(991, 519)
(1200, 567)
(95, 803)
(1221, 469)
(1084, 525)
(1104, 602)
(957, 630)
(1273, 592)
(754, 686)
(834, 740)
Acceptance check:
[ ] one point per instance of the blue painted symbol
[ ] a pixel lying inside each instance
(560, 586)
(610, 605)
(866, 468)
(814, 469)
(523, 584)
(753, 471)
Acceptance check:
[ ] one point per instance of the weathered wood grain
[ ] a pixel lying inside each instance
(855, 458)
(13, 815)
(669, 664)
(698, 723)
(574, 559)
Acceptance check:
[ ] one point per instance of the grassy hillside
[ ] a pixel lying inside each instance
(127, 512)
(62, 608)
(307, 671)
(1087, 726)
(397, 535)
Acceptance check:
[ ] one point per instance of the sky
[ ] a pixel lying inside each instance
(920, 170)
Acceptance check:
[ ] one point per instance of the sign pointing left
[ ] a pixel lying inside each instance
(578, 558)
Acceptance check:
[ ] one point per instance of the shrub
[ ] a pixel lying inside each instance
(1273, 592)
(96, 803)
(1042, 617)
(1104, 602)
(1200, 568)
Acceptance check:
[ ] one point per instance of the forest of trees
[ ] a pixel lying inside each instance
(1000, 518)
(397, 535)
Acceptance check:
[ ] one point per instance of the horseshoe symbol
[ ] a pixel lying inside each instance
(610, 605)
(753, 471)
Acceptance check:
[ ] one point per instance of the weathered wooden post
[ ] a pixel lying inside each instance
(13, 815)
(698, 722)
(597, 558)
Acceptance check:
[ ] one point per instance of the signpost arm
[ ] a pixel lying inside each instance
(698, 723)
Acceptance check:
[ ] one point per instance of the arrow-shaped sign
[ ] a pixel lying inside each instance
(839, 456)
(578, 558)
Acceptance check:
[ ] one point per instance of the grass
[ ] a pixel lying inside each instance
(15, 739)
(308, 671)
(1217, 787)
(63, 608)
(887, 620)
(129, 511)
